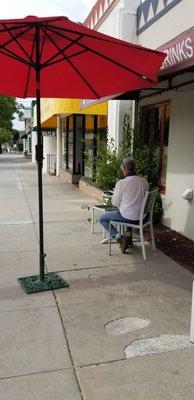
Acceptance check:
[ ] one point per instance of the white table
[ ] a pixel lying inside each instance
(100, 207)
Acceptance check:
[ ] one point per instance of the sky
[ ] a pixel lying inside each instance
(76, 10)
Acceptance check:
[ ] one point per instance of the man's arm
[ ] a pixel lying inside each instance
(117, 194)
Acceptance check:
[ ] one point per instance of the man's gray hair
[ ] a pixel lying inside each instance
(129, 163)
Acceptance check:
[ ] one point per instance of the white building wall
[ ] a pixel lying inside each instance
(58, 146)
(34, 143)
(29, 143)
(120, 23)
(49, 147)
(178, 213)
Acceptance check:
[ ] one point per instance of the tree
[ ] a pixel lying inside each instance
(8, 106)
(5, 137)
(15, 135)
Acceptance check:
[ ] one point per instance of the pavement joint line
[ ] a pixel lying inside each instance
(17, 223)
(99, 364)
(19, 251)
(22, 251)
(28, 205)
(58, 222)
(104, 301)
(68, 346)
(27, 309)
(167, 310)
(87, 268)
(35, 373)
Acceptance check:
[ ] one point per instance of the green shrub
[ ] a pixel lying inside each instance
(107, 166)
(20, 147)
(158, 209)
(107, 163)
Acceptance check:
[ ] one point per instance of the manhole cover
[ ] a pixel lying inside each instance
(94, 277)
(124, 325)
(156, 345)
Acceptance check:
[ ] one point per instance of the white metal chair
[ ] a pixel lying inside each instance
(146, 219)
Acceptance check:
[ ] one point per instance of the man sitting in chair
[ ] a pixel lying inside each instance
(128, 196)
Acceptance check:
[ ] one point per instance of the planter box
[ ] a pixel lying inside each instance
(91, 190)
(68, 177)
(28, 156)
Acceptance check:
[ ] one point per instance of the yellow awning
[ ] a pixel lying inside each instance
(52, 107)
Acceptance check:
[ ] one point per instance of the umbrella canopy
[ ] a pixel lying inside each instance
(73, 61)
(55, 57)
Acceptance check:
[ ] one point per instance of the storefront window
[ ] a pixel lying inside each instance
(89, 146)
(95, 135)
(101, 130)
(155, 125)
(82, 134)
(64, 142)
(78, 143)
(70, 143)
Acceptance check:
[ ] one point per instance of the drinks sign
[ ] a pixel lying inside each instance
(179, 53)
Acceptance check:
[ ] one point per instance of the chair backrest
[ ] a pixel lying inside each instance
(148, 204)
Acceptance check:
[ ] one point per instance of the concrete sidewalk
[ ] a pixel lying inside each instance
(73, 343)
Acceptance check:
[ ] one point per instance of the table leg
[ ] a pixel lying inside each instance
(92, 221)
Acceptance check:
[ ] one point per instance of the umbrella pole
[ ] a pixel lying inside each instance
(39, 159)
(39, 155)
(51, 280)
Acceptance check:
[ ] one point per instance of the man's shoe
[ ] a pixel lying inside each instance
(105, 241)
(125, 243)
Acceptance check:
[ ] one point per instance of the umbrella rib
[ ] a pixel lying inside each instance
(73, 66)
(43, 41)
(63, 58)
(15, 38)
(60, 51)
(139, 75)
(107, 39)
(15, 28)
(120, 65)
(9, 54)
(84, 79)
(29, 68)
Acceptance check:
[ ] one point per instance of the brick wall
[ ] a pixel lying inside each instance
(91, 190)
(68, 177)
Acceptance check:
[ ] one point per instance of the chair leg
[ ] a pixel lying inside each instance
(152, 237)
(143, 244)
(103, 230)
(92, 221)
(109, 241)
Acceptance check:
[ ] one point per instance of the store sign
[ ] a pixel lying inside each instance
(88, 103)
(179, 53)
(49, 133)
(92, 102)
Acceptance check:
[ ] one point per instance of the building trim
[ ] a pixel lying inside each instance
(143, 12)
(98, 13)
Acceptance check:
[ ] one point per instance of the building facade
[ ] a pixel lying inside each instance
(168, 26)
(167, 111)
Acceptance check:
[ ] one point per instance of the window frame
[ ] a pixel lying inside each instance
(163, 105)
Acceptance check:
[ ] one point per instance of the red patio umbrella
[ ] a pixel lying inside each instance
(55, 57)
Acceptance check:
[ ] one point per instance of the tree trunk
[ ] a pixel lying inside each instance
(0, 148)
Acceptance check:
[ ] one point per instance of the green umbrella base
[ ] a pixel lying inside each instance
(33, 284)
